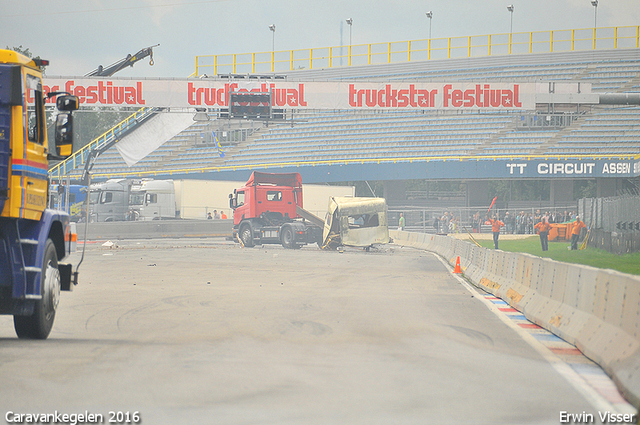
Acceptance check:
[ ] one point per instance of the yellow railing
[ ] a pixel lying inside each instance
(199, 170)
(420, 50)
(79, 157)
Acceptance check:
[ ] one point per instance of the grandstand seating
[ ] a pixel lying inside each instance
(407, 135)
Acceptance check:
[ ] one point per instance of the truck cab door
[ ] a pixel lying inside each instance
(240, 208)
(151, 206)
(29, 156)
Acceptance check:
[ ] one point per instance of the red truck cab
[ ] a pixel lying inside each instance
(265, 210)
(276, 194)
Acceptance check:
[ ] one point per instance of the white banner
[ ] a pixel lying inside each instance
(300, 95)
(138, 144)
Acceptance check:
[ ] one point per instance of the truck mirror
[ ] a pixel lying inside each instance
(67, 103)
(64, 135)
(232, 204)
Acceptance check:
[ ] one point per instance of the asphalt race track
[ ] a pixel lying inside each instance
(201, 331)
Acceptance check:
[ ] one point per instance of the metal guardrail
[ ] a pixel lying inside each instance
(614, 214)
(583, 39)
(62, 169)
(520, 219)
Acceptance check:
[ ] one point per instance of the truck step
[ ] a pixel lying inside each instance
(32, 269)
(29, 241)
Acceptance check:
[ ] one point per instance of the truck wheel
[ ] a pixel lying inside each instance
(39, 324)
(288, 240)
(246, 235)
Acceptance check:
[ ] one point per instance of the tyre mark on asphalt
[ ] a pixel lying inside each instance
(97, 313)
(314, 328)
(134, 311)
(473, 334)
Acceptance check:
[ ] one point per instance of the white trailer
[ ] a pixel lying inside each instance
(196, 198)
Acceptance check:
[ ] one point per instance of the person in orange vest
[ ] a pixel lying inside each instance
(223, 216)
(496, 224)
(575, 232)
(543, 230)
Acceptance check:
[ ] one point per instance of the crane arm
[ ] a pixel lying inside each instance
(123, 63)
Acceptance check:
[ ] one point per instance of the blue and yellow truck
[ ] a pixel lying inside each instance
(33, 239)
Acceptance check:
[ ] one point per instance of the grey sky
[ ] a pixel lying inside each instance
(78, 35)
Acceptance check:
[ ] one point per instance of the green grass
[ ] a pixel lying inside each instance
(629, 263)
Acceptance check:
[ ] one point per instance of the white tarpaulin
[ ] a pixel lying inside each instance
(159, 129)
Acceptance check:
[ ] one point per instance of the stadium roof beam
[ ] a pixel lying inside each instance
(620, 99)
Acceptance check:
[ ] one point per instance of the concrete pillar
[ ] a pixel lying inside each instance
(477, 193)
(561, 191)
(394, 191)
(606, 187)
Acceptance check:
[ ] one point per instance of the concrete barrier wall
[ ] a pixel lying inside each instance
(155, 229)
(596, 310)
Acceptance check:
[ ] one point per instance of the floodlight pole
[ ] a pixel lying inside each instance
(510, 9)
(350, 23)
(430, 16)
(594, 3)
(272, 27)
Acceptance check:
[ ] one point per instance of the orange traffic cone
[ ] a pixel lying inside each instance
(457, 269)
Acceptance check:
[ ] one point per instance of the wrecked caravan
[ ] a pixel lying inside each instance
(358, 222)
